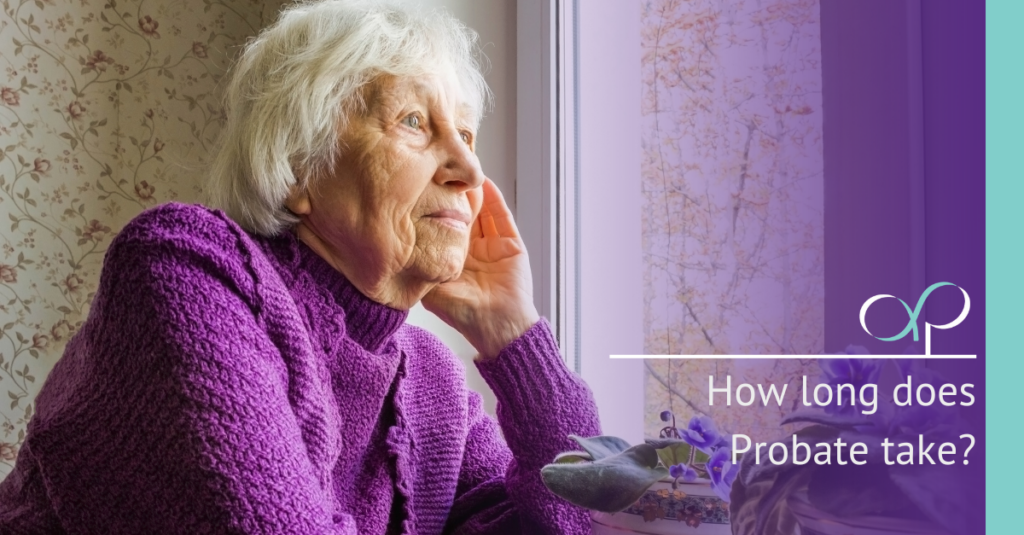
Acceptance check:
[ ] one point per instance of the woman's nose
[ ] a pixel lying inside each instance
(460, 167)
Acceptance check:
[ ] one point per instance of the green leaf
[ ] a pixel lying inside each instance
(610, 484)
(759, 498)
(940, 492)
(602, 446)
(572, 457)
(762, 507)
(822, 418)
(675, 454)
(751, 472)
(852, 490)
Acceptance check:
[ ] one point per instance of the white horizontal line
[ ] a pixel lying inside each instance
(802, 357)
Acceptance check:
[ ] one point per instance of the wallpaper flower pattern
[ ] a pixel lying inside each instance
(106, 108)
(733, 228)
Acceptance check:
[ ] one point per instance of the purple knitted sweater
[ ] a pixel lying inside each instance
(225, 383)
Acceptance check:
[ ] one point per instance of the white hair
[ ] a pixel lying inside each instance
(294, 85)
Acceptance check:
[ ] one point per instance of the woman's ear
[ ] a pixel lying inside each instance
(297, 201)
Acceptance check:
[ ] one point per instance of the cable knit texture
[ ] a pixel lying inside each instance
(226, 383)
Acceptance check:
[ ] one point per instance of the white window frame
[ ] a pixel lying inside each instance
(574, 285)
(546, 162)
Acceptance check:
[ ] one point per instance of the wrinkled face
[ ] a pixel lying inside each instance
(398, 208)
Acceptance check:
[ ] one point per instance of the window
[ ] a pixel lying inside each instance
(855, 102)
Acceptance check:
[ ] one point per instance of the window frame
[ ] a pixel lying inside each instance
(556, 147)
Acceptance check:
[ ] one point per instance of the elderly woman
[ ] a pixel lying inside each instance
(250, 370)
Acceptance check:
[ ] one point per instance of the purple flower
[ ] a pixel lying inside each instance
(934, 419)
(723, 472)
(856, 372)
(682, 471)
(702, 434)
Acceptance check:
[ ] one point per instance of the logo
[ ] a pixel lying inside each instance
(912, 324)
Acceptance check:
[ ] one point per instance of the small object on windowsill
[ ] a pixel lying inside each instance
(677, 483)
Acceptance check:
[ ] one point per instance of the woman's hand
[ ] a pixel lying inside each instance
(491, 303)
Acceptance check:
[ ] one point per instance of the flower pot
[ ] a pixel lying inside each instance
(692, 509)
(814, 521)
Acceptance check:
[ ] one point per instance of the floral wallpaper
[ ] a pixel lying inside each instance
(107, 107)
(733, 228)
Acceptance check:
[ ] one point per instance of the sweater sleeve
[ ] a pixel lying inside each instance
(540, 403)
(170, 412)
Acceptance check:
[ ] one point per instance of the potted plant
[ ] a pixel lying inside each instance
(878, 498)
(678, 483)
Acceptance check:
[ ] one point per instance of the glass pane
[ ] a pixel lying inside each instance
(733, 192)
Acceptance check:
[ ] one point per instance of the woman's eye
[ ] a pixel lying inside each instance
(412, 121)
(465, 137)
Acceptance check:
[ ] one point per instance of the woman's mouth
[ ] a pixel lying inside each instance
(450, 217)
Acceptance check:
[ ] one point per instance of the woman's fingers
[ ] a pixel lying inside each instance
(487, 224)
(478, 229)
(496, 219)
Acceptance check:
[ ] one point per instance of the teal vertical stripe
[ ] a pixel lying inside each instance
(1004, 250)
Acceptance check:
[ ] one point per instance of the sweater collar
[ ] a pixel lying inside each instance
(367, 322)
